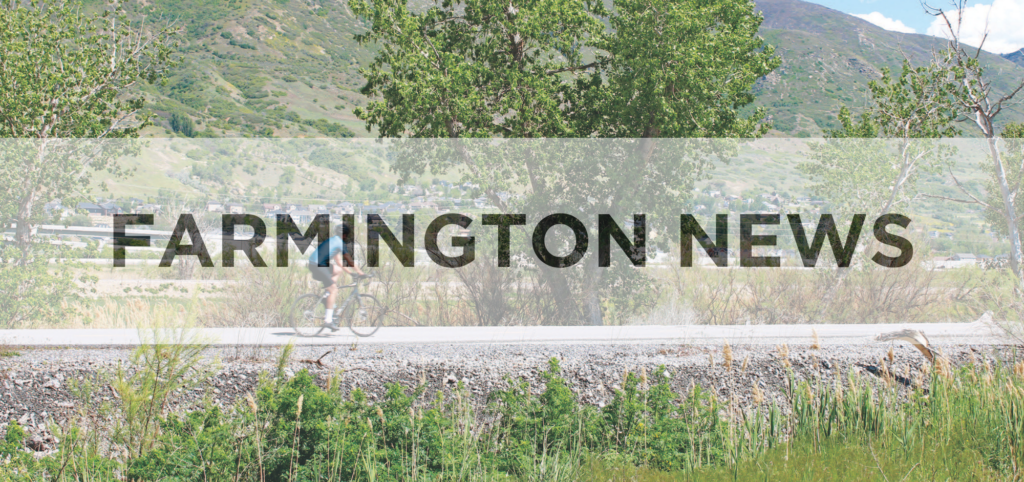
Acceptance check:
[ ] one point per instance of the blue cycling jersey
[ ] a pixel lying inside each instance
(327, 249)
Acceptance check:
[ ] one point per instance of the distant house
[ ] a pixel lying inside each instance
(234, 208)
(302, 216)
(292, 207)
(316, 207)
(416, 206)
(104, 209)
(214, 207)
(111, 208)
(149, 209)
(268, 207)
(55, 207)
(393, 207)
(344, 208)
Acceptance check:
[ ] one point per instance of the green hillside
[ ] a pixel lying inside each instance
(828, 58)
(261, 68)
(289, 68)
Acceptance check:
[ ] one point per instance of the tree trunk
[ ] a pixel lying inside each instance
(840, 278)
(23, 231)
(1011, 213)
(563, 296)
(593, 314)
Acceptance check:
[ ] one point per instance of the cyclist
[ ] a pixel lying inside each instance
(336, 254)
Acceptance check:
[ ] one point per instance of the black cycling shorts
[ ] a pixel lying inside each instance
(321, 274)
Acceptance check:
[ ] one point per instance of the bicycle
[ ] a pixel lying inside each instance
(362, 311)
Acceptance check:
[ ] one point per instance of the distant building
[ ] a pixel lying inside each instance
(103, 209)
(416, 206)
(344, 207)
(302, 216)
(148, 209)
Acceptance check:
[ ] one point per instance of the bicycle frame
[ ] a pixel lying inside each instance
(340, 308)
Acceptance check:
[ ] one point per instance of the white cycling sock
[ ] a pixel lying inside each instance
(328, 315)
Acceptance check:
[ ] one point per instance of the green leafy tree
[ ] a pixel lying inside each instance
(1013, 157)
(287, 176)
(449, 71)
(66, 73)
(530, 69)
(183, 124)
(870, 165)
(976, 100)
(910, 112)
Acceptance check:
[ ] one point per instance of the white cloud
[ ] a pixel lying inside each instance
(885, 22)
(1003, 19)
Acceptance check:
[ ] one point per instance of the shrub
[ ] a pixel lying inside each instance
(183, 125)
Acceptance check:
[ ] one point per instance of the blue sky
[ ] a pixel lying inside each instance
(1004, 19)
(909, 12)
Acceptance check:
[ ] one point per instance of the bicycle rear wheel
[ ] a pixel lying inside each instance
(366, 318)
(307, 315)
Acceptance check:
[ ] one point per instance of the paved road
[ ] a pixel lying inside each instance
(979, 333)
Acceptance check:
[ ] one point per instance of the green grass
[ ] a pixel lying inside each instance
(959, 424)
(968, 428)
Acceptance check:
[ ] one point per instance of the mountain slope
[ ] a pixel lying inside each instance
(257, 67)
(828, 58)
(290, 67)
(1015, 57)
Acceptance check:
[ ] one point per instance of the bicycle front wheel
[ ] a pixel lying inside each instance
(307, 315)
(365, 317)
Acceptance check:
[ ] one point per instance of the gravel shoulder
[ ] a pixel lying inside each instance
(37, 383)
